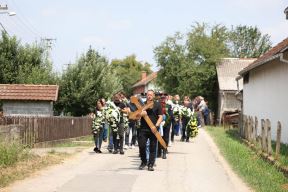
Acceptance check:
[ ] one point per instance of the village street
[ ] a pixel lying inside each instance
(195, 166)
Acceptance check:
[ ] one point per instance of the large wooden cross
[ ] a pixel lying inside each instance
(153, 128)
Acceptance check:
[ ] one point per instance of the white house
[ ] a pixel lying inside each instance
(265, 89)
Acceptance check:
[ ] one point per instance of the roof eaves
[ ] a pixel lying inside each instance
(250, 67)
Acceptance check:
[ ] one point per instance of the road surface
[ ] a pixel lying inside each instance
(196, 166)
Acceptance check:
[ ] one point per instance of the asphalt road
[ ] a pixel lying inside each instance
(196, 166)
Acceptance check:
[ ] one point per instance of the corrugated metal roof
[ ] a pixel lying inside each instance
(28, 92)
(228, 69)
(146, 80)
(269, 55)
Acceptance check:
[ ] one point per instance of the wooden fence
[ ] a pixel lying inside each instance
(261, 142)
(43, 129)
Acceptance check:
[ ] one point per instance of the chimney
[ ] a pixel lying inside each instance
(143, 75)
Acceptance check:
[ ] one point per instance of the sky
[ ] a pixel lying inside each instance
(118, 29)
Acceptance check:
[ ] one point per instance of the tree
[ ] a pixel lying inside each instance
(23, 64)
(129, 71)
(86, 81)
(170, 57)
(248, 42)
(188, 63)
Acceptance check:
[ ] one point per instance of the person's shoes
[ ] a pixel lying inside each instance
(164, 155)
(142, 166)
(121, 152)
(110, 150)
(150, 167)
(115, 151)
(105, 140)
(182, 139)
(187, 140)
(133, 146)
(170, 144)
(125, 147)
(96, 150)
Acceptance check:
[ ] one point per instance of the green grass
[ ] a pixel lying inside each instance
(11, 153)
(78, 142)
(258, 174)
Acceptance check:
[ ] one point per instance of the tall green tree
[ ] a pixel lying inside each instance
(24, 63)
(89, 79)
(170, 56)
(188, 63)
(248, 42)
(129, 71)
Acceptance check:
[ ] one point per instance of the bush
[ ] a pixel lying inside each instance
(10, 153)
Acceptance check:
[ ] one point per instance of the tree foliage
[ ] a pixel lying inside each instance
(129, 71)
(188, 62)
(24, 64)
(248, 41)
(86, 81)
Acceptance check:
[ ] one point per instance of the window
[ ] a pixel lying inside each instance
(246, 78)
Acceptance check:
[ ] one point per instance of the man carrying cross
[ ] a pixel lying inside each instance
(145, 133)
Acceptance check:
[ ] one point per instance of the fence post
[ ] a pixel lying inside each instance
(249, 129)
(256, 129)
(253, 131)
(263, 135)
(243, 127)
(269, 145)
(278, 141)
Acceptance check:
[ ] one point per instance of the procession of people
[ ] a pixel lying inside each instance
(152, 128)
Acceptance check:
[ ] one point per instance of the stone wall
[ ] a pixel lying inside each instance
(10, 133)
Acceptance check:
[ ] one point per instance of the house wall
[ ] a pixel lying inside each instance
(227, 101)
(18, 108)
(266, 93)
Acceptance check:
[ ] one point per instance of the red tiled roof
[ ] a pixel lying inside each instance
(273, 52)
(146, 80)
(28, 92)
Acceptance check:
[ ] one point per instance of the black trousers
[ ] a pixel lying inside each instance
(144, 135)
(184, 128)
(118, 138)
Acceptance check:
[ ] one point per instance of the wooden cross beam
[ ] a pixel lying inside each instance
(153, 128)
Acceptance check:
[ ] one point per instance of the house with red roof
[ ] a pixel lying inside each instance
(265, 89)
(147, 82)
(27, 99)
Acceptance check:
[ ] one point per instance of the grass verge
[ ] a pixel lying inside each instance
(78, 142)
(258, 174)
(17, 163)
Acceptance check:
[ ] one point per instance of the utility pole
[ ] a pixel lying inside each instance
(47, 43)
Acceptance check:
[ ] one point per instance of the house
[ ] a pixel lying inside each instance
(227, 70)
(24, 99)
(265, 89)
(146, 83)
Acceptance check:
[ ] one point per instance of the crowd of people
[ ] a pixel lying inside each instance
(170, 116)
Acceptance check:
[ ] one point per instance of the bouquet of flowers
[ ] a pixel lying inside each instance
(112, 115)
(192, 126)
(98, 119)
